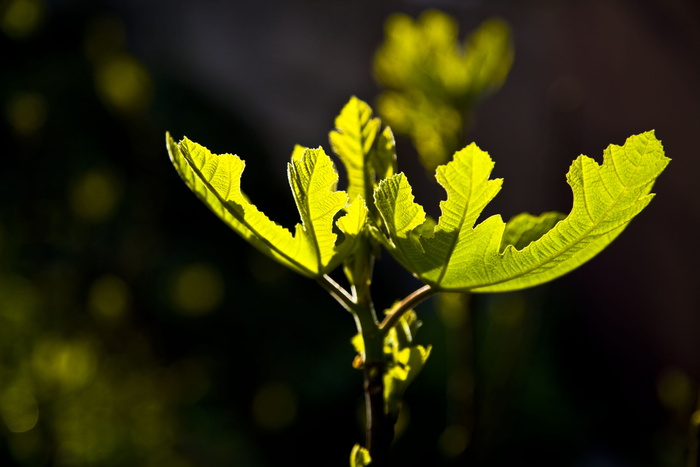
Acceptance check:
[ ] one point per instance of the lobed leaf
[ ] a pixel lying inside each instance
(367, 152)
(314, 249)
(495, 257)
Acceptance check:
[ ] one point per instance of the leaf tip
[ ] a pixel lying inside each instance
(172, 147)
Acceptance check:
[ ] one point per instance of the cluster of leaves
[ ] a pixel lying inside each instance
(404, 359)
(452, 254)
(432, 80)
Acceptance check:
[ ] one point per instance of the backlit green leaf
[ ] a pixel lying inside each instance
(367, 152)
(493, 256)
(314, 249)
(404, 360)
(359, 457)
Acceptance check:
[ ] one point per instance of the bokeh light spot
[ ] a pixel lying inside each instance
(274, 406)
(20, 18)
(198, 289)
(70, 364)
(19, 409)
(26, 112)
(452, 309)
(675, 390)
(109, 298)
(453, 441)
(123, 83)
(695, 419)
(94, 196)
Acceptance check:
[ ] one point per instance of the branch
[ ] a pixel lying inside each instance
(337, 292)
(404, 305)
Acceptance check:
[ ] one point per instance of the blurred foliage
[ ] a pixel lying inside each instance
(105, 348)
(433, 82)
(79, 381)
(20, 18)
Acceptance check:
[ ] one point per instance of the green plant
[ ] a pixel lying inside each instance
(432, 82)
(453, 254)
(431, 85)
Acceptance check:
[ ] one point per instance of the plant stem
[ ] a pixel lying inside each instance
(404, 305)
(379, 429)
(379, 425)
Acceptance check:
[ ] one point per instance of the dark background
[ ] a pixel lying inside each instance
(137, 329)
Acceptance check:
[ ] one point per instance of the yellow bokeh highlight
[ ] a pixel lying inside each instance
(453, 309)
(19, 409)
(695, 419)
(109, 298)
(26, 112)
(126, 409)
(274, 406)
(123, 83)
(197, 289)
(453, 441)
(675, 390)
(121, 80)
(95, 195)
(20, 18)
(70, 364)
(80, 427)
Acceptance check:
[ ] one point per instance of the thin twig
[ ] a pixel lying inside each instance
(404, 305)
(337, 292)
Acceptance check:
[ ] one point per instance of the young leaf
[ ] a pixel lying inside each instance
(368, 154)
(493, 257)
(359, 457)
(312, 250)
(404, 360)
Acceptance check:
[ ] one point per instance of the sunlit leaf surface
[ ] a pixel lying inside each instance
(367, 152)
(493, 256)
(312, 249)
